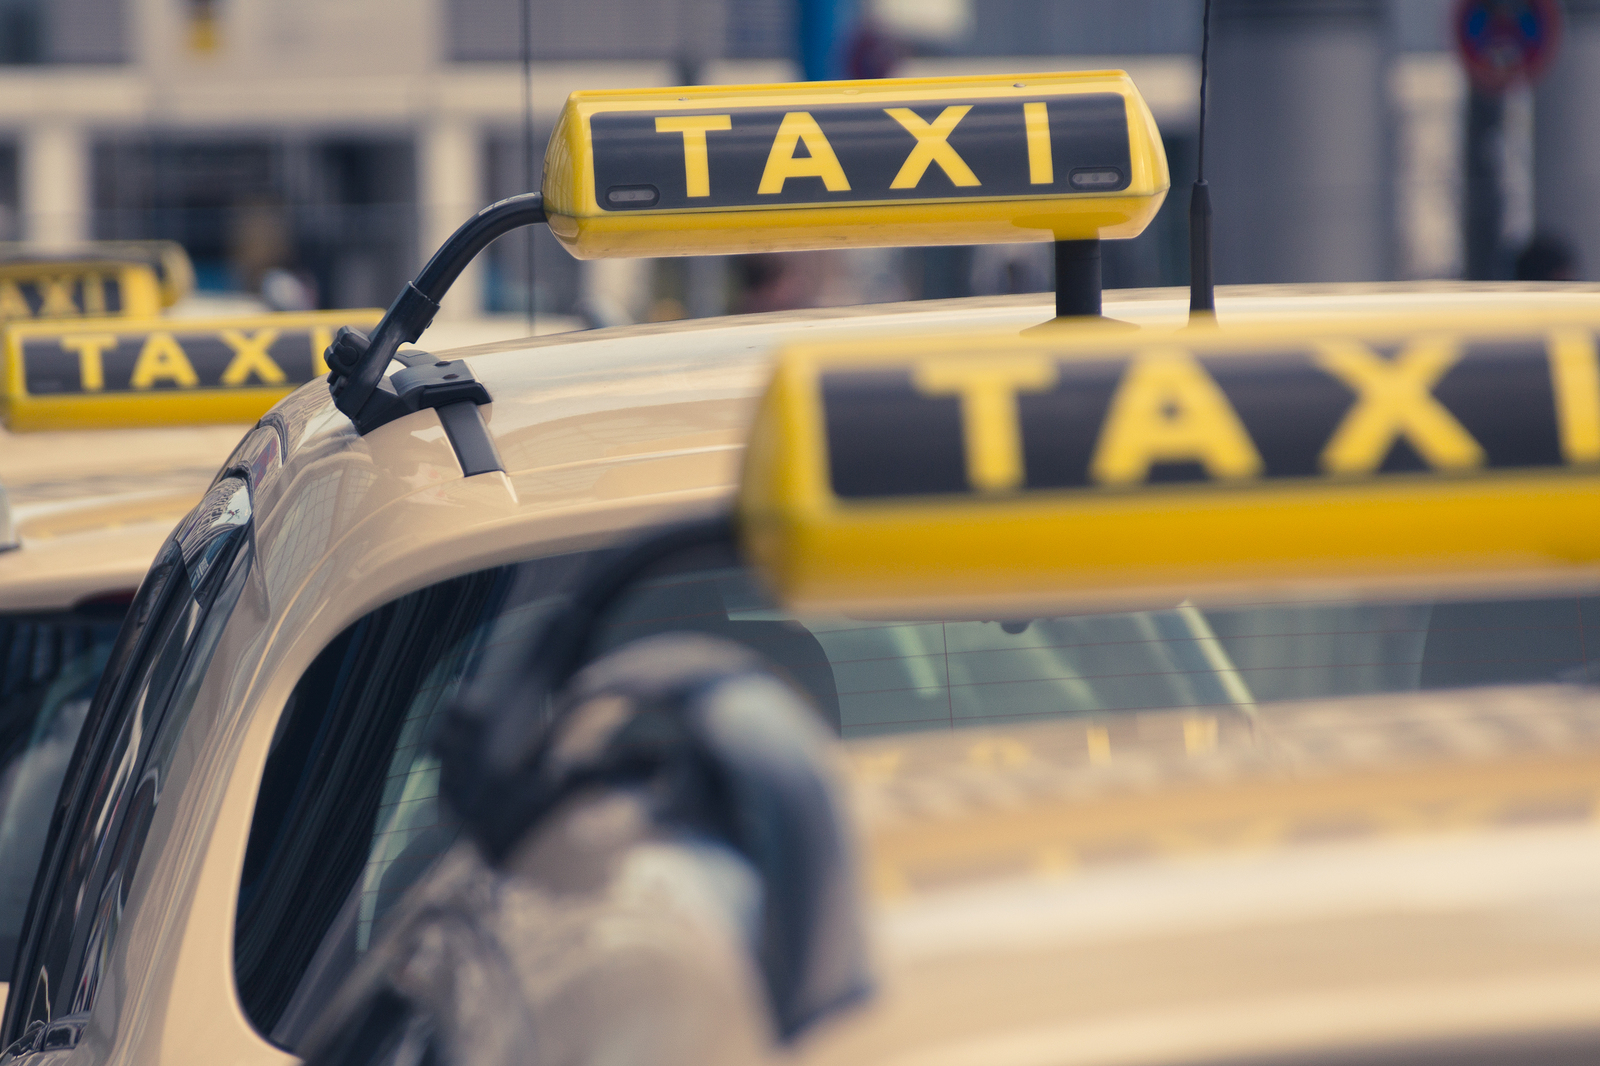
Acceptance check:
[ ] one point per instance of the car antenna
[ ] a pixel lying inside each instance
(528, 148)
(1202, 288)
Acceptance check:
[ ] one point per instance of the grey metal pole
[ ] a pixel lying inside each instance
(1566, 140)
(1484, 203)
(1298, 154)
(1077, 278)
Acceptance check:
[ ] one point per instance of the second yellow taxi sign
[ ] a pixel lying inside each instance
(117, 372)
(1385, 457)
(86, 289)
(911, 161)
(28, 264)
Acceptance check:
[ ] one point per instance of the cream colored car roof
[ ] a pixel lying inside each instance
(601, 433)
(1176, 888)
(656, 414)
(92, 507)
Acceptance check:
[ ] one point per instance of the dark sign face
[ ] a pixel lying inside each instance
(847, 153)
(60, 295)
(1335, 408)
(104, 361)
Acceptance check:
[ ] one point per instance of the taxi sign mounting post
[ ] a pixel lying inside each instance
(1202, 283)
(1503, 44)
(1077, 278)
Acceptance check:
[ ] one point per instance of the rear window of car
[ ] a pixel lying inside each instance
(348, 816)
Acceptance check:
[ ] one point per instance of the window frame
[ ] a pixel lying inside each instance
(209, 551)
(267, 1000)
(87, 630)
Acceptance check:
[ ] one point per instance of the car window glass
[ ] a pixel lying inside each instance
(114, 780)
(348, 818)
(49, 667)
(347, 814)
(873, 676)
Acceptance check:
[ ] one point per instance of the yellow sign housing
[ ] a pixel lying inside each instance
(1389, 457)
(910, 161)
(162, 372)
(46, 289)
(167, 259)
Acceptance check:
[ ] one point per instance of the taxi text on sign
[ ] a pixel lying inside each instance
(163, 371)
(910, 161)
(1176, 460)
(47, 290)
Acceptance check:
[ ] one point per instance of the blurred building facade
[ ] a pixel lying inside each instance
(341, 140)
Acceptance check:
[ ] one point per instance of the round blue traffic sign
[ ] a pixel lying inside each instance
(1506, 42)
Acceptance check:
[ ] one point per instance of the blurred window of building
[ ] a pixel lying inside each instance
(10, 190)
(491, 30)
(1421, 25)
(86, 31)
(21, 31)
(339, 214)
(556, 273)
(63, 31)
(1080, 27)
(760, 29)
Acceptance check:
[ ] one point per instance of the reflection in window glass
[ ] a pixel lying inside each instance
(49, 666)
(347, 817)
(119, 765)
(885, 676)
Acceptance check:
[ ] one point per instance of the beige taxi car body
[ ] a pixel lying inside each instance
(604, 435)
(89, 500)
(1370, 879)
(83, 515)
(90, 507)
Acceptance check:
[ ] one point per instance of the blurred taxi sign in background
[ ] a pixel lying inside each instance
(78, 375)
(914, 161)
(46, 289)
(1391, 456)
(174, 273)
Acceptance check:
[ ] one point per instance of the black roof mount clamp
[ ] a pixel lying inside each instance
(356, 362)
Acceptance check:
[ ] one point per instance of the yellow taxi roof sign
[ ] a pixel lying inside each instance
(44, 289)
(167, 259)
(162, 372)
(1384, 457)
(907, 161)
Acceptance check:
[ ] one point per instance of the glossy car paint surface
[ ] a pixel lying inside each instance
(92, 506)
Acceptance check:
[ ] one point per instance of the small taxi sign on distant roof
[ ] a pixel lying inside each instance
(1381, 455)
(167, 259)
(909, 161)
(89, 375)
(81, 289)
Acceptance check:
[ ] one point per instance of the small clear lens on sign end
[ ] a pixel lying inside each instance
(1096, 178)
(632, 195)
